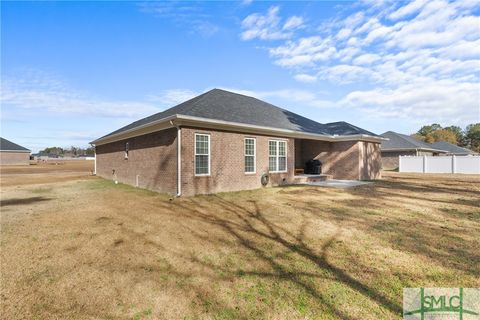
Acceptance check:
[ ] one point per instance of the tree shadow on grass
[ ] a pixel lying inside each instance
(437, 235)
(21, 201)
(255, 233)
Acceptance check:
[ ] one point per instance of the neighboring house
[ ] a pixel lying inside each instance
(13, 154)
(453, 149)
(223, 141)
(402, 145)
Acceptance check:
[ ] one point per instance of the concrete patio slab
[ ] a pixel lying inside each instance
(332, 183)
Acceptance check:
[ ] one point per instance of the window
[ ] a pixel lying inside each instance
(250, 155)
(277, 156)
(126, 150)
(272, 155)
(202, 154)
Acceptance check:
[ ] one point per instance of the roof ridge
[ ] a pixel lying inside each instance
(268, 103)
(404, 137)
(252, 97)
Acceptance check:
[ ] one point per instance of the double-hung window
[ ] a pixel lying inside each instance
(250, 153)
(277, 156)
(202, 154)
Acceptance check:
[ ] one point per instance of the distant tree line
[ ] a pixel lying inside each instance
(468, 137)
(72, 151)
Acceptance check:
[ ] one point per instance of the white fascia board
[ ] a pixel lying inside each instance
(25, 151)
(150, 127)
(183, 120)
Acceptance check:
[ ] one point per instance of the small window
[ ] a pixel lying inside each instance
(277, 156)
(250, 154)
(202, 154)
(126, 150)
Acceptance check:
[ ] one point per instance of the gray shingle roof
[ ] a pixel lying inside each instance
(403, 142)
(223, 105)
(10, 146)
(451, 148)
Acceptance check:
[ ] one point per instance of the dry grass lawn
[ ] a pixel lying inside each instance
(79, 247)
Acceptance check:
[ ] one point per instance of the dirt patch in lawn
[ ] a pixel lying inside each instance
(92, 249)
(45, 172)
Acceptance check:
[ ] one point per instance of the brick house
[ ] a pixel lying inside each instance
(13, 154)
(222, 141)
(403, 145)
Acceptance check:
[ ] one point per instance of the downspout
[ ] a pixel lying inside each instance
(94, 160)
(179, 158)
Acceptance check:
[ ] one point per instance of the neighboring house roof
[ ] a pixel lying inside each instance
(6, 145)
(451, 148)
(231, 108)
(398, 141)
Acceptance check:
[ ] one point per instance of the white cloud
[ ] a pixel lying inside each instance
(410, 8)
(420, 57)
(268, 27)
(205, 28)
(461, 50)
(443, 101)
(344, 73)
(305, 78)
(367, 58)
(185, 14)
(344, 33)
(303, 52)
(355, 19)
(290, 96)
(172, 97)
(36, 90)
(347, 54)
(293, 22)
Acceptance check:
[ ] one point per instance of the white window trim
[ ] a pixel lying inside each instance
(254, 154)
(277, 155)
(195, 156)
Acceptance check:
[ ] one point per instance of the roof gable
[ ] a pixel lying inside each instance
(7, 145)
(227, 106)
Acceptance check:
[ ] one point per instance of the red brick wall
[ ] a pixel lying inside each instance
(153, 157)
(370, 160)
(227, 172)
(390, 158)
(426, 153)
(351, 160)
(14, 158)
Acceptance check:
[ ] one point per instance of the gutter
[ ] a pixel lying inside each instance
(177, 120)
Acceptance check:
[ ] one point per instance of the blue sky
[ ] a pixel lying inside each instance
(74, 71)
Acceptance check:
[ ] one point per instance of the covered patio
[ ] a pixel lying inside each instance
(345, 160)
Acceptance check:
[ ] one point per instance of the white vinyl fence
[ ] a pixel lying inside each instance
(441, 164)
